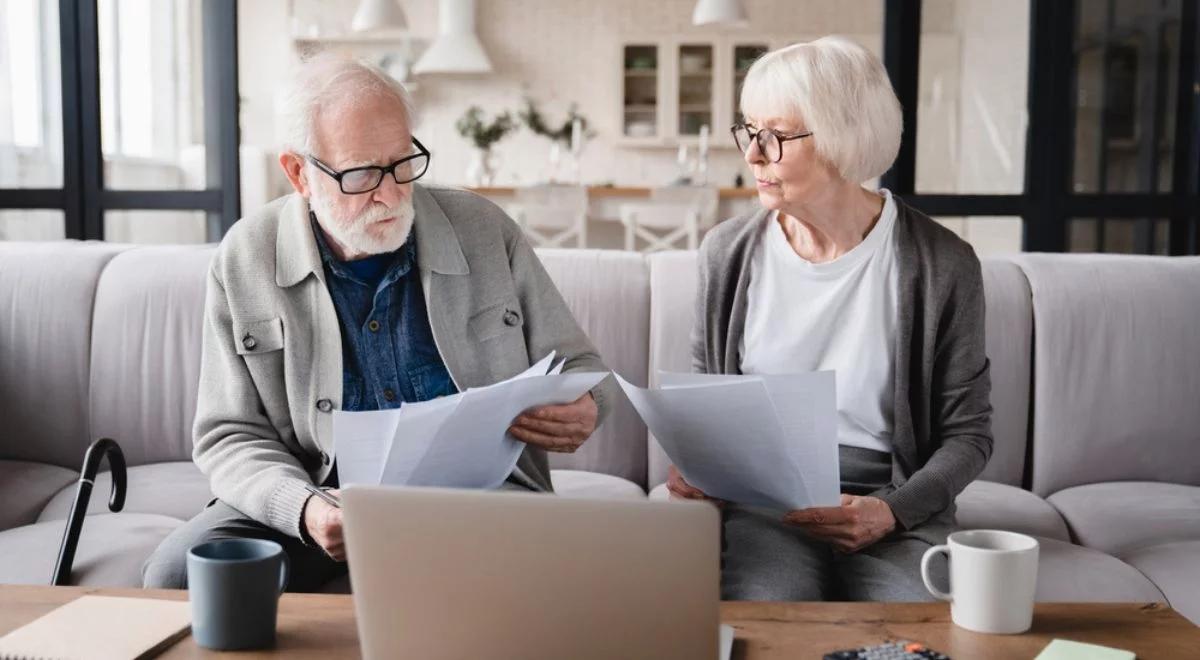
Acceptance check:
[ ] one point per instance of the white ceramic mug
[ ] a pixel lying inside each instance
(993, 576)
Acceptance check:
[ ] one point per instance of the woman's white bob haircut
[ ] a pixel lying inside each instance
(839, 91)
(326, 78)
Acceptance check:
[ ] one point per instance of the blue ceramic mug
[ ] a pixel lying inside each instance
(234, 586)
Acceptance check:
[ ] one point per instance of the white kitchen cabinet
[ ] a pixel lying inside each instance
(670, 86)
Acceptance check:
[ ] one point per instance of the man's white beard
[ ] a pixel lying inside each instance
(360, 234)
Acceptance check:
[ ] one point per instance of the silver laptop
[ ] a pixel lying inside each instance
(441, 573)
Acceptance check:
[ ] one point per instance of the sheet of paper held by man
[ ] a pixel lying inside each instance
(767, 441)
(458, 441)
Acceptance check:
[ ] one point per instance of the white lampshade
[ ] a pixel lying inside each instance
(375, 15)
(457, 48)
(719, 12)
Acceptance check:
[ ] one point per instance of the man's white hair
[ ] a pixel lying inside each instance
(330, 76)
(841, 92)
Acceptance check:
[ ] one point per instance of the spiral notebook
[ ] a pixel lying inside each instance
(101, 628)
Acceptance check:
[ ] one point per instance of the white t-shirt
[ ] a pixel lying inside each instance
(839, 315)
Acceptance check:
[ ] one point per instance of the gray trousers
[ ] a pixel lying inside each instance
(310, 567)
(765, 558)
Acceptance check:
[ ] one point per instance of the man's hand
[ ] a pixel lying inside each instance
(680, 489)
(856, 524)
(323, 521)
(561, 428)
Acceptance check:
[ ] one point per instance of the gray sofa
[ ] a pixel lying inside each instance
(1096, 388)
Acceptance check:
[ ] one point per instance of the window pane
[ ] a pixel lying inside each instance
(1119, 235)
(971, 112)
(30, 225)
(151, 94)
(1127, 56)
(989, 235)
(31, 89)
(155, 226)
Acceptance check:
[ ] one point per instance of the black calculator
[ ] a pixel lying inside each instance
(901, 650)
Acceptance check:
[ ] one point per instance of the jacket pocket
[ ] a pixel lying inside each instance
(258, 337)
(495, 321)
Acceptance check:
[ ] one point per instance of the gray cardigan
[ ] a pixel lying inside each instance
(271, 367)
(942, 437)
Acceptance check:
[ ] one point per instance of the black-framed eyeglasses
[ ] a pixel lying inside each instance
(359, 180)
(770, 142)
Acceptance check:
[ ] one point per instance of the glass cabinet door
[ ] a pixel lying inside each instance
(640, 84)
(744, 55)
(695, 88)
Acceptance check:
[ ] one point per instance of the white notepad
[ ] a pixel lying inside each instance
(101, 628)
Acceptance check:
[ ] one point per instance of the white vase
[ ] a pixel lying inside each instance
(482, 169)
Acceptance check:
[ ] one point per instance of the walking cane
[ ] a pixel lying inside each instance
(91, 464)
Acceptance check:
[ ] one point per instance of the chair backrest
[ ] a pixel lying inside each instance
(46, 294)
(552, 205)
(1116, 384)
(146, 346)
(701, 199)
(609, 294)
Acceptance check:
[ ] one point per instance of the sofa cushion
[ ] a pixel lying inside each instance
(609, 294)
(46, 294)
(1115, 379)
(1175, 568)
(111, 550)
(27, 488)
(1071, 573)
(1120, 517)
(145, 361)
(578, 483)
(1009, 345)
(990, 505)
(672, 312)
(177, 489)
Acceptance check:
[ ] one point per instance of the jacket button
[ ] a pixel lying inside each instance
(249, 342)
(511, 318)
(373, 325)
(324, 405)
(325, 458)
(389, 394)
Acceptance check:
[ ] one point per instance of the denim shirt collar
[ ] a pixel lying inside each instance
(404, 258)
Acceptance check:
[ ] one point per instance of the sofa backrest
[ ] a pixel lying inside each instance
(145, 358)
(609, 294)
(1009, 340)
(673, 279)
(46, 293)
(1116, 369)
(672, 311)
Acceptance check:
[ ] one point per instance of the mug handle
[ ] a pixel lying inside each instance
(285, 571)
(929, 555)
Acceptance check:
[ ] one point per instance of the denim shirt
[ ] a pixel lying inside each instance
(388, 352)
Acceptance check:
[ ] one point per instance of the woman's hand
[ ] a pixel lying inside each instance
(856, 524)
(680, 489)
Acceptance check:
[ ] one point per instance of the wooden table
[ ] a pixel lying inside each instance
(322, 626)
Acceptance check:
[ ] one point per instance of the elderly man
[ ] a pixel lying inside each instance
(360, 291)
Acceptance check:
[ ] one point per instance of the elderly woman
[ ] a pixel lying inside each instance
(832, 275)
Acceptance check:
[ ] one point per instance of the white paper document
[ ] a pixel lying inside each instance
(765, 441)
(458, 441)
